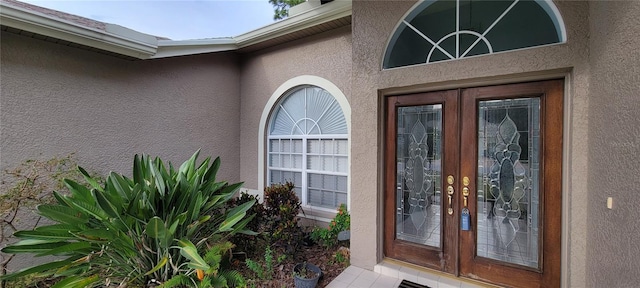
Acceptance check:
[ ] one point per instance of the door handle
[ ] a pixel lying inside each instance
(450, 191)
(465, 190)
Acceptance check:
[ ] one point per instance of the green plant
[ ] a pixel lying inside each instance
(208, 271)
(125, 231)
(304, 271)
(29, 184)
(282, 207)
(342, 256)
(329, 236)
(282, 7)
(264, 271)
(246, 242)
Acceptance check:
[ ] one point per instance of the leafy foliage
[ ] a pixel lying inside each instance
(125, 230)
(264, 272)
(246, 242)
(329, 236)
(208, 271)
(282, 7)
(23, 188)
(282, 207)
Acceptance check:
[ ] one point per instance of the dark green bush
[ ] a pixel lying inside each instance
(126, 232)
(282, 207)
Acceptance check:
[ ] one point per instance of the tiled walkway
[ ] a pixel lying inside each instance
(389, 275)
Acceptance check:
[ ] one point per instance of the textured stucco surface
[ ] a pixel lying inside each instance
(614, 143)
(327, 55)
(373, 22)
(55, 100)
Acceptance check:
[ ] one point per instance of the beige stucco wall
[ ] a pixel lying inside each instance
(614, 143)
(56, 100)
(373, 23)
(327, 55)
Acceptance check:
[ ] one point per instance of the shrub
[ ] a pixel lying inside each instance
(125, 232)
(247, 242)
(208, 271)
(329, 236)
(282, 207)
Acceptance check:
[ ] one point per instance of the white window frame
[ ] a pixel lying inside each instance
(270, 107)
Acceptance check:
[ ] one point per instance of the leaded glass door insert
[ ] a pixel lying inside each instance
(502, 145)
(419, 174)
(508, 174)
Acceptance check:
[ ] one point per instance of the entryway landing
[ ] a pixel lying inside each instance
(390, 274)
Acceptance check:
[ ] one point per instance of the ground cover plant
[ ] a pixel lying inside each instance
(282, 242)
(139, 231)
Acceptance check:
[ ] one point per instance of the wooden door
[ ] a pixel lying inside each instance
(498, 154)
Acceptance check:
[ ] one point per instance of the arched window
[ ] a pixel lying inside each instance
(307, 144)
(446, 30)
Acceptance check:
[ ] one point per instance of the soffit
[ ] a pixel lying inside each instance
(324, 27)
(74, 31)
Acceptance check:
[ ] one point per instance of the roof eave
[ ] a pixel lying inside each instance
(319, 15)
(170, 48)
(138, 46)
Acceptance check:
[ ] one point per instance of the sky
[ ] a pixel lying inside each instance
(176, 20)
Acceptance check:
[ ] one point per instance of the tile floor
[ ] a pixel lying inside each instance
(389, 275)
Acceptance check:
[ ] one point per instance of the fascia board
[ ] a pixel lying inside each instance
(325, 13)
(38, 23)
(128, 42)
(170, 48)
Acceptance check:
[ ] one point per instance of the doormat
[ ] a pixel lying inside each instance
(409, 284)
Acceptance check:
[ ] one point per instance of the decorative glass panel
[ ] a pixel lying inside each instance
(508, 193)
(445, 30)
(419, 155)
(308, 111)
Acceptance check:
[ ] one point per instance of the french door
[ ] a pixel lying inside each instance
(473, 182)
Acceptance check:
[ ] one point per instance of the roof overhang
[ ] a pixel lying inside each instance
(124, 41)
(114, 38)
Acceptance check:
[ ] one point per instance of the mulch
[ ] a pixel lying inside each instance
(316, 254)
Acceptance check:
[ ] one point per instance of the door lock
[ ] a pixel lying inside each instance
(450, 181)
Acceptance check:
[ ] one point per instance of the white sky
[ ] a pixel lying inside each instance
(177, 20)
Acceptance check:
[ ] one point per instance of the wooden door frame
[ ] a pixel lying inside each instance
(551, 104)
(551, 93)
(446, 258)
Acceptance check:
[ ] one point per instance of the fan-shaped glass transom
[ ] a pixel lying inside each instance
(308, 111)
(452, 29)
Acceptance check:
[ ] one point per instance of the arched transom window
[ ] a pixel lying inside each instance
(308, 145)
(453, 29)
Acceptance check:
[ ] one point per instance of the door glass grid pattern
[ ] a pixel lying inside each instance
(447, 30)
(308, 145)
(508, 176)
(419, 155)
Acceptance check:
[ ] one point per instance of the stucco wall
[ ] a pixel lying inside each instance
(56, 99)
(327, 55)
(614, 143)
(373, 23)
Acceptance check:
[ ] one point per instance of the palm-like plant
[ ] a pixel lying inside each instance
(126, 230)
(207, 271)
